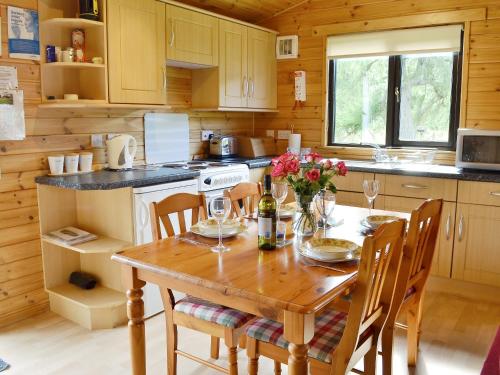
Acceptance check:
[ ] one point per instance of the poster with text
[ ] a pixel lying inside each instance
(24, 37)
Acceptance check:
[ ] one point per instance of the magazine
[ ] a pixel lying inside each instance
(71, 236)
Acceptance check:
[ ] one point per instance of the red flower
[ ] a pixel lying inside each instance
(313, 175)
(313, 157)
(278, 170)
(292, 166)
(340, 168)
(327, 164)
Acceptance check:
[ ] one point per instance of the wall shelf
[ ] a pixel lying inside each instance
(100, 245)
(72, 65)
(89, 104)
(72, 23)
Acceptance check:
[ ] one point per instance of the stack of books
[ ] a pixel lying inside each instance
(71, 236)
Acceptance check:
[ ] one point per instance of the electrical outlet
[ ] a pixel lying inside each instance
(96, 141)
(270, 133)
(206, 134)
(284, 134)
(111, 136)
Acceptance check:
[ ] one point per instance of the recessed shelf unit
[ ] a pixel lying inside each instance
(106, 214)
(58, 18)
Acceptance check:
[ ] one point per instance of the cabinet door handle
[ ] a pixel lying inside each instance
(172, 33)
(495, 193)
(461, 228)
(245, 86)
(414, 186)
(252, 88)
(448, 224)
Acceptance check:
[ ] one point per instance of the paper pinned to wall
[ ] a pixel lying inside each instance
(8, 77)
(12, 125)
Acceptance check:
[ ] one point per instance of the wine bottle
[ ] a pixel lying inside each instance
(267, 218)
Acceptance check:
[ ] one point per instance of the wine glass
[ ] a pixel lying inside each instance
(325, 204)
(371, 188)
(279, 191)
(220, 208)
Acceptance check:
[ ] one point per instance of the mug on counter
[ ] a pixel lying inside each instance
(86, 161)
(71, 163)
(56, 164)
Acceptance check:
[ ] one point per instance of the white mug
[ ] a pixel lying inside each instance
(71, 163)
(56, 164)
(86, 161)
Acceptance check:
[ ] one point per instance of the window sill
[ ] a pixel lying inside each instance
(366, 153)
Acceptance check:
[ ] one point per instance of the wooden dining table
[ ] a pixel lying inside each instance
(280, 284)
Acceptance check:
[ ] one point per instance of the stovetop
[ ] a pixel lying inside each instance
(197, 165)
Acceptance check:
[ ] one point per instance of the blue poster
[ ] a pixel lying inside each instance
(24, 38)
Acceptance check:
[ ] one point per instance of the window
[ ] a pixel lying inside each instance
(397, 100)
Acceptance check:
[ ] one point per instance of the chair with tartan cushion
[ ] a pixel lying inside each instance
(418, 251)
(340, 339)
(190, 312)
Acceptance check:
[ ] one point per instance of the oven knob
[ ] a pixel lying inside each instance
(207, 181)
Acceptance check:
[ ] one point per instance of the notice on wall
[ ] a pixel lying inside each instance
(8, 77)
(12, 125)
(24, 37)
(0, 36)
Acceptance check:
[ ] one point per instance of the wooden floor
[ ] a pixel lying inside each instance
(456, 337)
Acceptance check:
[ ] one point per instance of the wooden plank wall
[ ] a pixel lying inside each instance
(483, 106)
(60, 131)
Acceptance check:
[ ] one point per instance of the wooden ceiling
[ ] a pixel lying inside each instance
(245, 10)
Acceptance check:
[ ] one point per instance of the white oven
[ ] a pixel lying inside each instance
(478, 149)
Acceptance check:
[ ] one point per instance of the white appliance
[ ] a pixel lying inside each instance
(143, 197)
(120, 156)
(478, 149)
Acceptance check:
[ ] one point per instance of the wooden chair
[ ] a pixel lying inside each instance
(248, 193)
(418, 251)
(190, 312)
(335, 349)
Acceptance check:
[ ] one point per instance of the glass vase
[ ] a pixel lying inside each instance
(304, 222)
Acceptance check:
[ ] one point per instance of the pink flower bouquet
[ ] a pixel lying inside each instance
(308, 180)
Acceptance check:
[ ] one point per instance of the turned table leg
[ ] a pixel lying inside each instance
(135, 313)
(298, 331)
(297, 360)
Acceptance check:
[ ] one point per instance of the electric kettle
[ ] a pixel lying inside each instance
(121, 151)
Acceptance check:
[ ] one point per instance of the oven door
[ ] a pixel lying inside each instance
(478, 149)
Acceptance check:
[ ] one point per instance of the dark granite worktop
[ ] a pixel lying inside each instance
(108, 180)
(420, 170)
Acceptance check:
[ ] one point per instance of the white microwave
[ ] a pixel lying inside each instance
(478, 149)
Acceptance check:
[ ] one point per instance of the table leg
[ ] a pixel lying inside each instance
(298, 331)
(135, 313)
(297, 360)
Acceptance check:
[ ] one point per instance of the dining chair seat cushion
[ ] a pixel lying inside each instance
(329, 328)
(211, 312)
(409, 293)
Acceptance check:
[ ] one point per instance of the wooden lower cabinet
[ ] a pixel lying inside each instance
(441, 264)
(477, 244)
(349, 198)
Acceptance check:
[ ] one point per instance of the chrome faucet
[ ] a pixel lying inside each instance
(380, 154)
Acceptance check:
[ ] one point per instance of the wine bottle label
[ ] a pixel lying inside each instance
(265, 227)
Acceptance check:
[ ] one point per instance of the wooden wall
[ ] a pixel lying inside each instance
(483, 106)
(60, 131)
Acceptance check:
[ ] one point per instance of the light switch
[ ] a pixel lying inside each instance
(270, 133)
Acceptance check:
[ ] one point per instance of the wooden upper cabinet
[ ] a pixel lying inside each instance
(136, 51)
(233, 66)
(261, 69)
(192, 37)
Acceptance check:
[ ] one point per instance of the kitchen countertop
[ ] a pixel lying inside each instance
(420, 170)
(108, 180)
